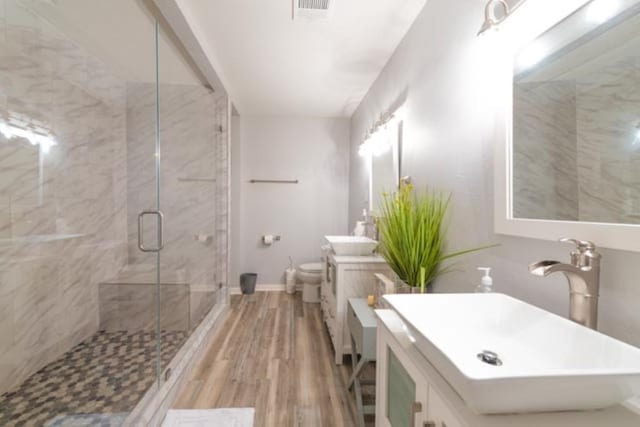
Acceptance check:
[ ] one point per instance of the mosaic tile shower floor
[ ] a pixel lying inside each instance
(95, 383)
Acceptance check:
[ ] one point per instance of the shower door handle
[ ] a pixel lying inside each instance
(160, 217)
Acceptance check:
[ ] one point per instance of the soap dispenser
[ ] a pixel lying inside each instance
(486, 283)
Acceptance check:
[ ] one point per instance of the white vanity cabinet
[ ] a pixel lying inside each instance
(404, 395)
(410, 392)
(439, 414)
(345, 277)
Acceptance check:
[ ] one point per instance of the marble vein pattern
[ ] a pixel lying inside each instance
(68, 215)
(222, 190)
(189, 148)
(545, 177)
(193, 198)
(62, 211)
(576, 141)
(608, 111)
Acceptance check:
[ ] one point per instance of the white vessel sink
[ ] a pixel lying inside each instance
(352, 245)
(548, 363)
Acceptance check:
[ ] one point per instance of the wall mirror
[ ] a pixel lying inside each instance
(573, 152)
(385, 165)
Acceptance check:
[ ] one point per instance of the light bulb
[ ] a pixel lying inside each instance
(365, 149)
(601, 11)
(531, 55)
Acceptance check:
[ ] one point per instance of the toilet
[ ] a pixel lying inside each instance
(311, 276)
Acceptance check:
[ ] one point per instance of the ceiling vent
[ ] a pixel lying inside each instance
(312, 10)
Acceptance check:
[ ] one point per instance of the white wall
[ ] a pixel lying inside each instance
(314, 151)
(444, 72)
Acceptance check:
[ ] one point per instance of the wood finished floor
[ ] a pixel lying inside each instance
(273, 354)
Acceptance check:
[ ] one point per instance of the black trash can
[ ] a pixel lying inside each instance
(248, 283)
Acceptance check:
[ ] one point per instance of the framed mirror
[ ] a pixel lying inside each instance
(573, 148)
(385, 166)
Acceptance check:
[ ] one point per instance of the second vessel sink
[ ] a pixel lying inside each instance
(503, 355)
(352, 245)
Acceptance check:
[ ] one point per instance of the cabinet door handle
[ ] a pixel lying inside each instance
(416, 408)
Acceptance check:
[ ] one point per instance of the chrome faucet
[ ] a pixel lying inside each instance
(370, 226)
(583, 275)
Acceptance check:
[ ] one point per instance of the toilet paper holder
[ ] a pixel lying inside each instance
(269, 239)
(205, 239)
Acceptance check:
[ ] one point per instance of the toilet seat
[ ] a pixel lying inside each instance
(312, 267)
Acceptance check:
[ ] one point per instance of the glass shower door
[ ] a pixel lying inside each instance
(80, 223)
(193, 195)
(114, 172)
(139, 293)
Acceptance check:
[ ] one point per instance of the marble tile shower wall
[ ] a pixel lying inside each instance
(576, 153)
(193, 138)
(608, 113)
(63, 225)
(545, 175)
(223, 190)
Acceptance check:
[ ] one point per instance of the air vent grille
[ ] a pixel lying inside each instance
(312, 10)
(314, 4)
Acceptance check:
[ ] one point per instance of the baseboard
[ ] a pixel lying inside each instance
(266, 287)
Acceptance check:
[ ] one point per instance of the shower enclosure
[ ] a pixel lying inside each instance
(113, 207)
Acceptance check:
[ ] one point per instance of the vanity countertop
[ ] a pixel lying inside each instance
(528, 360)
(623, 415)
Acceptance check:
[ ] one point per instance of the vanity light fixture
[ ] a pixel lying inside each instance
(376, 140)
(491, 20)
(637, 134)
(376, 144)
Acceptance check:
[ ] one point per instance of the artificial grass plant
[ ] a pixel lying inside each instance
(412, 235)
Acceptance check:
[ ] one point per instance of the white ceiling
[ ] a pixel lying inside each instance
(272, 65)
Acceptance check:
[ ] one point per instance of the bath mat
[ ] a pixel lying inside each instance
(232, 417)
(87, 420)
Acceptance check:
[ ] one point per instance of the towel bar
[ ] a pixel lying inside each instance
(273, 181)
